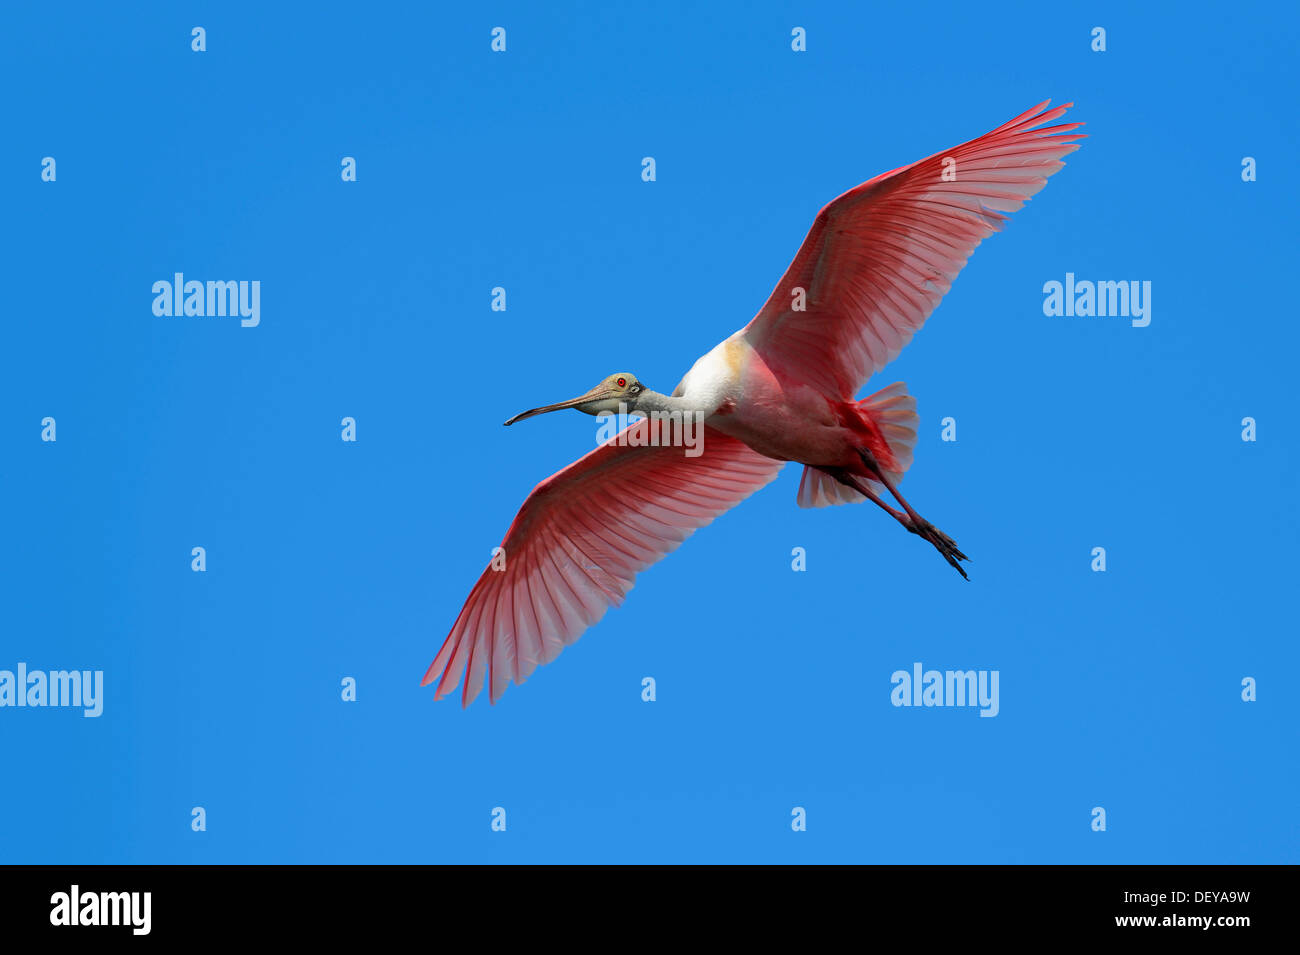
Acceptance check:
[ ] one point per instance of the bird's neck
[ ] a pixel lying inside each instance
(653, 401)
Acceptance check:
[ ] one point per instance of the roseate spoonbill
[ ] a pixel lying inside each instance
(873, 267)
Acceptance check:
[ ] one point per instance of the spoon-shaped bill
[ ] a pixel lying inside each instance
(599, 393)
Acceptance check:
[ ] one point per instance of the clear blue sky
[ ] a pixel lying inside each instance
(328, 560)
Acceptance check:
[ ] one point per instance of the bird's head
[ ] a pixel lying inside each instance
(617, 393)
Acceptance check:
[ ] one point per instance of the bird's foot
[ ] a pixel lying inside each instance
(942, 543)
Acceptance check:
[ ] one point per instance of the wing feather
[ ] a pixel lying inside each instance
(878, 259)
(577, 544)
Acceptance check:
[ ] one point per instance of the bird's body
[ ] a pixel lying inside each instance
(873, 267)
(741, 396)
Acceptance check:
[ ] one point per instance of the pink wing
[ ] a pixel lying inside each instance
(577, 544)
(880, 257)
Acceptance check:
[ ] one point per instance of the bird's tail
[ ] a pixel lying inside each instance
(893, 411)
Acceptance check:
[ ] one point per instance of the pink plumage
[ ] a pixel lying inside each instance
(578, 543)
(875, 264)
(879, 258)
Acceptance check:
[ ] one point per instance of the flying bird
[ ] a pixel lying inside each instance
(873, 267)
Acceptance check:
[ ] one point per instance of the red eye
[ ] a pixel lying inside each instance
(622, 382)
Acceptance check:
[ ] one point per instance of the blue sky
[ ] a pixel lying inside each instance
(522, 169)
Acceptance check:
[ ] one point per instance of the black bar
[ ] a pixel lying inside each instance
(334, 904)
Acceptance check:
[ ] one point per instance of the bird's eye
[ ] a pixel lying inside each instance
(622, 382)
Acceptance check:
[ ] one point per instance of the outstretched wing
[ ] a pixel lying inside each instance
(577, 544)
(880, 257)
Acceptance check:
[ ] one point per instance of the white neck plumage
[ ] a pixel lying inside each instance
(652, 401)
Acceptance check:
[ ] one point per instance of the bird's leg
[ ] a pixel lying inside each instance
(913, 521)
(853, 481)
